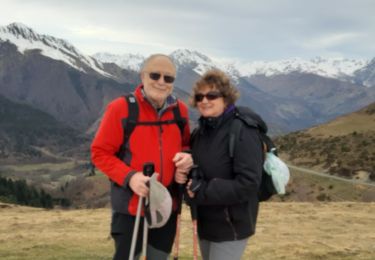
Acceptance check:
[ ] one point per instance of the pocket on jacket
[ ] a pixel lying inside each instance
(239, 212)
(211, 213)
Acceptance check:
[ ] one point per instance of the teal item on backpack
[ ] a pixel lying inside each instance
(278, 171)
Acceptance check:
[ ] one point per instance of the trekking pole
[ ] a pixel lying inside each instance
(193, 211)
(146, 167)
(148, 170)
(195, 185)
(178, 224)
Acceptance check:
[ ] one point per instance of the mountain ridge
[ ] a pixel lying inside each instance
(339, 68)
(26, 38)
(78, 95)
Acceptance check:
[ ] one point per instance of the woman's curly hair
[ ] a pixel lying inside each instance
(218, 80)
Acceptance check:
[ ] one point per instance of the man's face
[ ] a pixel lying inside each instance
(156, 78)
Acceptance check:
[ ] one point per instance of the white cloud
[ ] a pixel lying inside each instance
(332, 40)
(253, 29)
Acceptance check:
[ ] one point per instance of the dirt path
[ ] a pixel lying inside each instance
(308, 171)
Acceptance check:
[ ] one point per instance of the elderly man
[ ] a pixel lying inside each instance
(157, 138)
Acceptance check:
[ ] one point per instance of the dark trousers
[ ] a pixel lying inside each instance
(122, 231)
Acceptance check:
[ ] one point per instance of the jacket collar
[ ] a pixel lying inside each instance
(141, 95)
(214, 122)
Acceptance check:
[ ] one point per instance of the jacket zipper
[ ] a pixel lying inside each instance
(159, 116)
(161, 152)
(227, 218)
(161, 142)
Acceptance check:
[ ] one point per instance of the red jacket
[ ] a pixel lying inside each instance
(151, 143)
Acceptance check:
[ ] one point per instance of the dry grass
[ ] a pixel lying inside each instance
(344, 125)
(285, 231)
(315, 231)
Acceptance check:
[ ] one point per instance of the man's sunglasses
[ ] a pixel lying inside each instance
(212, 95)
(156, 76)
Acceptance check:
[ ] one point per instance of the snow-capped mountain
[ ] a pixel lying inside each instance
(196, 61)
(126, 61)
(183, 58)
(366, 75)
(200, 63)
(26, 39)
(52, 75)
(337, 68)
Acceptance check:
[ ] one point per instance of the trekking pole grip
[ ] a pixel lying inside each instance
(195, 177)
(148, 168)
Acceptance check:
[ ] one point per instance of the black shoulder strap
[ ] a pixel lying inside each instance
(235, 129)
(234, 135)
(180, 121)
(269, 145)
(129, 123)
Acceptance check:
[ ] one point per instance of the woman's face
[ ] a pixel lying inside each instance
(210, 102)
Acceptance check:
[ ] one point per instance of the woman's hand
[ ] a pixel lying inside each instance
(189, 192)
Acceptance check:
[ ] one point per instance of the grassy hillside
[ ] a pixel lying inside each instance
(343, 147)
(63, 180)
(330, 231)
(24, 129)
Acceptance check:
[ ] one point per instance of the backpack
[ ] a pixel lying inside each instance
(131, 122)
(245, 116)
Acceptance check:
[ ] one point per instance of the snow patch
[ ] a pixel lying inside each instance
(26, 39)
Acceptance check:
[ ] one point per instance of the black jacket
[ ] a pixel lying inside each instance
(227, 200)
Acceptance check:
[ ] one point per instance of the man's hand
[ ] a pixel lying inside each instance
(183, 161)
(138, 184)
(180, 176)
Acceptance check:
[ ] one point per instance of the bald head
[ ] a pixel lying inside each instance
(154, 57)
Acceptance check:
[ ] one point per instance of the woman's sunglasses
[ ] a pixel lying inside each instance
(156, 76)
(212, 95)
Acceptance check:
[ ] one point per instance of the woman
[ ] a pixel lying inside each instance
(226, 199)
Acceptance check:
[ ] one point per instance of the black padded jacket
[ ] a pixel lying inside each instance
(227, 200)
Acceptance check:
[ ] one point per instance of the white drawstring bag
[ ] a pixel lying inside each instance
(278, 171)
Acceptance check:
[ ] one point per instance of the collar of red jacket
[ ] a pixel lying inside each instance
(139, 93)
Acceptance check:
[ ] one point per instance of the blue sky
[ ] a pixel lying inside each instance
(246, 30)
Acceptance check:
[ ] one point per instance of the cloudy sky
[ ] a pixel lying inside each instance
(246, 30)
